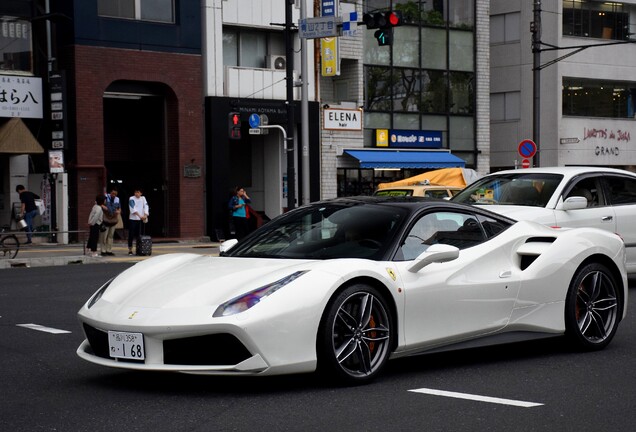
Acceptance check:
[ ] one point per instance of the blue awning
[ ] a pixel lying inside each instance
(406, 159)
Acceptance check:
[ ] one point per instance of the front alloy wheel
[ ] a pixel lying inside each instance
(355, 336)
(592, 307)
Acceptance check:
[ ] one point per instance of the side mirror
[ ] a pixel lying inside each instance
(227, 245)
(437, 253)
(575, 203)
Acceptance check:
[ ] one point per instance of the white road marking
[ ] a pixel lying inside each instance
(476, 397)
(43, 329)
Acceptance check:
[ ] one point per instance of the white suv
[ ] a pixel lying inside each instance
(604, 198)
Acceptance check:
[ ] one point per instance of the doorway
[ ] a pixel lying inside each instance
(135, 151)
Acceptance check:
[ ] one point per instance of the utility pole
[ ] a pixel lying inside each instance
(289, 54)
(304, 111)
(535, 28)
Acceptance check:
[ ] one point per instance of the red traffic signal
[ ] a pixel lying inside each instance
(382, 20)
(394, 18)
(234, 125)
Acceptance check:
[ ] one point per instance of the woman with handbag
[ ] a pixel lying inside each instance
(112, 216)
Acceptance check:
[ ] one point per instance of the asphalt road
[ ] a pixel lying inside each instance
(537, 386)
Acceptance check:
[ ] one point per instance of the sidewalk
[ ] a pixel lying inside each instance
(53, 254)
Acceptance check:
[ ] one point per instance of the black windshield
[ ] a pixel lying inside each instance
(325, 231)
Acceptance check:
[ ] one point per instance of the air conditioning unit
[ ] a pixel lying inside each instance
(276, 62)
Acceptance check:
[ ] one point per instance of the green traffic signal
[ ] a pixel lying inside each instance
(384, 36)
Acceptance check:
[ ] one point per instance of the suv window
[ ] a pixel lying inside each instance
(621, 190)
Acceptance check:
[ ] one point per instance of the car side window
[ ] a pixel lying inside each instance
(455, 229)
(587, 188)
(621, 190)
(492, 226)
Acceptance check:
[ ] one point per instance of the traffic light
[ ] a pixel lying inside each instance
(384, 22)
(234, 125)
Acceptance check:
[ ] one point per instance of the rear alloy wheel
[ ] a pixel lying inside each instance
(354, 340)
(592, 307)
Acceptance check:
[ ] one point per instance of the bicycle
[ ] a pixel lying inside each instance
(9, 245)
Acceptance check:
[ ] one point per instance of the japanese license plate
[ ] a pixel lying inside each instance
(126, 345)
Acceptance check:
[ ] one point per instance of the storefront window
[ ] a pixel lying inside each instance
(356, 181)
(596, 98)
(15, 45)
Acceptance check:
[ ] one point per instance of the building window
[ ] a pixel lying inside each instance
(504, 28)
(15, 45)
(251, 49)
(142, 10)
(602, 20)
(596, 98)
(505, 106)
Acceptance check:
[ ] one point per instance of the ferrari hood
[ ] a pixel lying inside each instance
(183, 280)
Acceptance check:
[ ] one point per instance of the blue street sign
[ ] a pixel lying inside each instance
(527, 148)
(255, 120)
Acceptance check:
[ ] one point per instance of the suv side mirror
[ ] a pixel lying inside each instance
(575, 203)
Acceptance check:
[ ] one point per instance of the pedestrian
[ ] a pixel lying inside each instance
(112, 213)
(95, 219)
(139, 212)
(28, 209)
(238, 206)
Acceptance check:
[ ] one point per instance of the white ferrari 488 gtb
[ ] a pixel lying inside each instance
(341, 286)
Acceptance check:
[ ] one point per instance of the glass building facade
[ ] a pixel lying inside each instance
(424, 81)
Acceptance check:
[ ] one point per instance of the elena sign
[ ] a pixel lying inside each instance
(342, 119)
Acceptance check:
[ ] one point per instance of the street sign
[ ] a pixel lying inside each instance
(255, 131)
(527, 148)
(525, 163)
(319, 27)
(255, 120)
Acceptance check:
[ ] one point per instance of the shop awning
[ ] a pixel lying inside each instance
(16, 138)
(405, 159)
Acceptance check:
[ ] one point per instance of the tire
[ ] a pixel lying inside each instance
(355, 335)
(592, 308)
(9, 247)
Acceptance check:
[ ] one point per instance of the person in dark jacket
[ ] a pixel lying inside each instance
(28, 209)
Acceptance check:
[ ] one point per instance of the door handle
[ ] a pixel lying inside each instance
(505, 274)
(607, 218)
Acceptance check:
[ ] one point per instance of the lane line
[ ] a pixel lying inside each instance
(43, 328)
(476, 398)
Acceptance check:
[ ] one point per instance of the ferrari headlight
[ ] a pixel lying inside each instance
(249, 299)
(98, 294)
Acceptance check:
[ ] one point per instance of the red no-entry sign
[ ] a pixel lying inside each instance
(525, 163)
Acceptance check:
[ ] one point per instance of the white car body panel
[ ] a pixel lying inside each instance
(175, 296)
